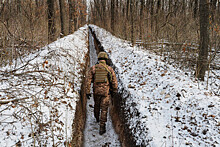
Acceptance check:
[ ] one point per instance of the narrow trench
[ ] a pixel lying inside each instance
(117, 111)
(85, 129)
(91, 131)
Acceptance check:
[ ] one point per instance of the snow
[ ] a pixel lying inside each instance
(165, 105)
(91, 132)
(48, 82)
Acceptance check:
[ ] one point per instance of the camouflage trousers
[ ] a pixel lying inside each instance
(101, 103)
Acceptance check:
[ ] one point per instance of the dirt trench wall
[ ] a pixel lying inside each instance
(117, 110)
(80, 114)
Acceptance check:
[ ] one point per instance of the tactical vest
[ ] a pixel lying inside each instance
(102, 74)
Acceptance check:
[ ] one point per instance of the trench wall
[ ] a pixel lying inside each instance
(117, 110)
(80, 114)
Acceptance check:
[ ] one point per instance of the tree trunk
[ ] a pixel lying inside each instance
(127, 9)
(184, 8)
(204, 39)
(98, 12)
(63, 19)
(219, 11)
(75, 20)
(195, 9)
(37, 3)
(71, 15)
(113, 16)
(51, 21)
(132, 21)
(152, 14)
(213, 9)
(158, 6)
(157, 17)
(170, 6)
(103, 3)
(141, 18)
(18, 6)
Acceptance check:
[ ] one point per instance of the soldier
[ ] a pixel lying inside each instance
(103, 78)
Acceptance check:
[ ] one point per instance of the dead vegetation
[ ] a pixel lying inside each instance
(169, 28)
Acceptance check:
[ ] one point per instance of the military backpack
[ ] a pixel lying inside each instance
(102, 74)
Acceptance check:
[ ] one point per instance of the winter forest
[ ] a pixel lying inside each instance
(165, 53)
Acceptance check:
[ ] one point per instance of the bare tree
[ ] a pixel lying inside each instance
(204, 39)
(141, 17)
(103, 4)
(51, 20)
(113, 15)
(213, 9)
(71, 16)
(63, 19)
(195, 8)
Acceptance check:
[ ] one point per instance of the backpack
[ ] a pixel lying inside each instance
(102, 74)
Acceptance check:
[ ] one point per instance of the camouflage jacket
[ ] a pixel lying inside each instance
(101, 88)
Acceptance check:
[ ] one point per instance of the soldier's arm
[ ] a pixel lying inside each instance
(89, 80)
(114, 81)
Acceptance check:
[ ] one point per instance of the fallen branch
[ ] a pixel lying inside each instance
(12, 100)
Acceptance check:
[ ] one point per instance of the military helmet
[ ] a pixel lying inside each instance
(102, 56)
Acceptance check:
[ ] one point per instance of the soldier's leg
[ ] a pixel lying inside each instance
(97, 101)
(105, 101)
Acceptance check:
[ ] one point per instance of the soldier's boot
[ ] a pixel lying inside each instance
(102, 129)
(97, 119)
(97, 116)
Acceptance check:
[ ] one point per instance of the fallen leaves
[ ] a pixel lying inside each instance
(211, 105)
(64, 102)
(13, 106)
(35, 105)
(56, 99)
(131, 86)
(213, 116)
(144, 83)
(167, 96)
(163, 74)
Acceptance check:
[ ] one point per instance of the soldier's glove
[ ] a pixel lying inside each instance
(88, 96)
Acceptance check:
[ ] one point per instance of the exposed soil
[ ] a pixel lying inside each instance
(80, 115)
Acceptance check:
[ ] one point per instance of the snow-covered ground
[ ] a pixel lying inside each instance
(46, 84)
(168, 107)
(91, 132)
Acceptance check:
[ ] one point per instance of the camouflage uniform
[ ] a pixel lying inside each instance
(101, 92)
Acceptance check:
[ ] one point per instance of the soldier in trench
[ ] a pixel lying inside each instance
(104, 82)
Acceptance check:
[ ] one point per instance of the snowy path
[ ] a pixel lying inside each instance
(91, 132)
